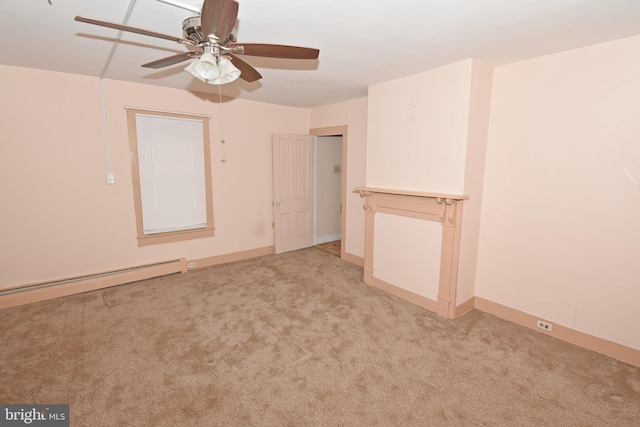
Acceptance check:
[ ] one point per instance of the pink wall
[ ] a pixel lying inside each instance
(474, 169)
(60, 219)
(417, 130)
(560, 231)
(428, 132)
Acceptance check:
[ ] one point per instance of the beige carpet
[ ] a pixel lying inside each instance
(296, 340)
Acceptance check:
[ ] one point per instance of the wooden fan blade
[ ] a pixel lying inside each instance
(218, 17)
(133, 30)
(247, 72)
(170, 60)
(278, 51)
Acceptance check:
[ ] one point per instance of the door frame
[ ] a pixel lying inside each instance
(339, 131)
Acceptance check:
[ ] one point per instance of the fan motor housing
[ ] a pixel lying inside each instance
(192, 30)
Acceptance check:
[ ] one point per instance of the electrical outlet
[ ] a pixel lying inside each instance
(544, 325)
(191, 264)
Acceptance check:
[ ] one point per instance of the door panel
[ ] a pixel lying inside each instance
(292, 191)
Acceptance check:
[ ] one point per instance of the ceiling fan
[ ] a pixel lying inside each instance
(214, 47)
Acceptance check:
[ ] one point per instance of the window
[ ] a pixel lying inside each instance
(171, 171)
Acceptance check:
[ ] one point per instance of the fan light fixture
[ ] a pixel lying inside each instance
(213, 70)
(209, 34)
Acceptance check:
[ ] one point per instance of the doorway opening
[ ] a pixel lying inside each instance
(328, 188)
(294, 192)
(331, 183)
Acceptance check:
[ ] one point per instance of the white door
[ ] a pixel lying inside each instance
(293, 191)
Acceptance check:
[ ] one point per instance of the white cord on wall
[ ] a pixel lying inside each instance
(222, 141)
(110, 176)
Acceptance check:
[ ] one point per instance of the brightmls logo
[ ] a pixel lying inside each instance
(36, 415)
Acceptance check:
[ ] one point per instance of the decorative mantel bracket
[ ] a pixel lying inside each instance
(443, 208)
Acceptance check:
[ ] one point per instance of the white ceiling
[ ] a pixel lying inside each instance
(361, 42)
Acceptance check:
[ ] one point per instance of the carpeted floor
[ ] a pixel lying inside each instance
(296, 340)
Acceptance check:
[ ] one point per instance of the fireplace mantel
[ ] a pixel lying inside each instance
(365, 190)
(440, 207)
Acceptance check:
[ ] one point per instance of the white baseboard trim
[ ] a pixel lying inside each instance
(235, 256)
(330, 238)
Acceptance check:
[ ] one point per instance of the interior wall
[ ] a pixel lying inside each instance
(353, 114)
(477, 135)
(559, 232)
(60, 218)
(428, 133)
(328, 188)
(417, 130)
(418, 270)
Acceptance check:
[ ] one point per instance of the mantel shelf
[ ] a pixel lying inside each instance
(363, 190)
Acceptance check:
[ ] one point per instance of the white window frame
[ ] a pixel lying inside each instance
(173, 233)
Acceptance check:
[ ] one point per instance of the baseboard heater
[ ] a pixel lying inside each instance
(20, 295)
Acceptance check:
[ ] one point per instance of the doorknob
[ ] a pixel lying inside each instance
(277, 203)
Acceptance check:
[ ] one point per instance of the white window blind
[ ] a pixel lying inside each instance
(172, 173)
